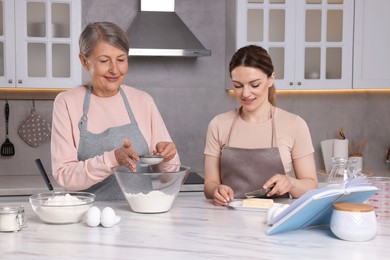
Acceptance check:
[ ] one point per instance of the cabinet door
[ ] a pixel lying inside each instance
(267, 23)
(7, 44)
(371, 44)
(324, 44)
(46, 44)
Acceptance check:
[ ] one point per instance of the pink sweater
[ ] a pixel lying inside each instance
(103, 113)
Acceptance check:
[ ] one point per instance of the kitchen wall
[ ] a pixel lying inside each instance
(191, 91)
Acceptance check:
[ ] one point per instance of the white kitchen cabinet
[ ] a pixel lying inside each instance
(39, 43)
(371, 44)
(310, 41)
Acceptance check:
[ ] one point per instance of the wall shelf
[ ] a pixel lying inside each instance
(28, 93)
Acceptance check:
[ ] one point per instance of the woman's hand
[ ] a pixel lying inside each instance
(282, 184)
(125, 156)
(223, 195)
(166, 149)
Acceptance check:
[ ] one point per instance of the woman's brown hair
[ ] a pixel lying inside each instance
(255, 57)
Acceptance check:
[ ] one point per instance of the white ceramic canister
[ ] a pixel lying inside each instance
(353, 221)
(12, 218)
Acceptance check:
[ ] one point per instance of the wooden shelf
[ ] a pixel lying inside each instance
(28, 93)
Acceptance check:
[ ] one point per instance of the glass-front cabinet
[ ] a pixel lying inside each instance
(309, 41)
(39, 43)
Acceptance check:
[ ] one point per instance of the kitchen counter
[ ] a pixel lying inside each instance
(193, 229)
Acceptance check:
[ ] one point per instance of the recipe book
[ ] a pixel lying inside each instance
(315, 207)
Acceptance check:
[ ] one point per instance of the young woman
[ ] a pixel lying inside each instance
(257, 145)
(102, 125)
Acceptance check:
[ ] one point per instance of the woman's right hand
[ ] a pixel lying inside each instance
(223, 195)
(126, 156)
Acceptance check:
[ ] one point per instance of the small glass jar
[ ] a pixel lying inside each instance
(353, 221)
(12, 218)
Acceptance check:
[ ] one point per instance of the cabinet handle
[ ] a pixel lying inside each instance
(20, 81)
(10, 81)
(290, 83)
(299, 83)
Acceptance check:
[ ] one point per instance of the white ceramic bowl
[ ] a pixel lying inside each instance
(149, 159)
(152, 191)
(61, 207)
(354, 225)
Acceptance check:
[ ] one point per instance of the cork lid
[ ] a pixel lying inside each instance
(353, 207)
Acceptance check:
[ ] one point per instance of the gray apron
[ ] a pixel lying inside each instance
(92, 145)
(247, 170)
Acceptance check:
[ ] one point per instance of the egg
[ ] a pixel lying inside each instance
(93, 217)
(278, 211)
(270, 212)
(108, 217)
(275, 211)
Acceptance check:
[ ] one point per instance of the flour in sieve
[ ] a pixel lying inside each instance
(70, 209)
(152, 202)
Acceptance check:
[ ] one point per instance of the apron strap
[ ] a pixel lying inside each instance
(128, 108)
(273, 135)
(84, 119)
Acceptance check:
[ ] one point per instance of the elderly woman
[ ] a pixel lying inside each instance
(257, 145)
(104, 124)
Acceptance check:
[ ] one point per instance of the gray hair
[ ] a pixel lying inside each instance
(97, 32)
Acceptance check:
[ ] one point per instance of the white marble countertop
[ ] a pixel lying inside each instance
(193, 229)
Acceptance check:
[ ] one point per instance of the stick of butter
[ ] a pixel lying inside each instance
(258, 203)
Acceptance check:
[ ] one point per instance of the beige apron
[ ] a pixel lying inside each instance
(245, 169)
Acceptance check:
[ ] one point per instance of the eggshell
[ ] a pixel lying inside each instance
(93, 217)
(271, 211)
(277, 212)
(108, 217)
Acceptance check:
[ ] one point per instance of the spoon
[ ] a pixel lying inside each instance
(44, 174)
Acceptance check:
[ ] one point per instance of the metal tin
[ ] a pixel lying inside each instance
(12, 218)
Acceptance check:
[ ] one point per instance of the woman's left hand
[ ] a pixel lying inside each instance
(282, 184)
(126, 156)
(166, 149)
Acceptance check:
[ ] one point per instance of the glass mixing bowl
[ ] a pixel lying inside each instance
(154, 189)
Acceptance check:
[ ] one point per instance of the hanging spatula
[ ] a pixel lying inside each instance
(7, 148)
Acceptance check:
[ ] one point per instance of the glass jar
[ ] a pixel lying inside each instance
(12, 218)
(342, 169)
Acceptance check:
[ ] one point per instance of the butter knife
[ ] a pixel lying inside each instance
(257, 193)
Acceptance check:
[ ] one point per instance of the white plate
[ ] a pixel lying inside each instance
(237, 204)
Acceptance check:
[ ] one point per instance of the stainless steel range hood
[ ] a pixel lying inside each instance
(158, 31)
